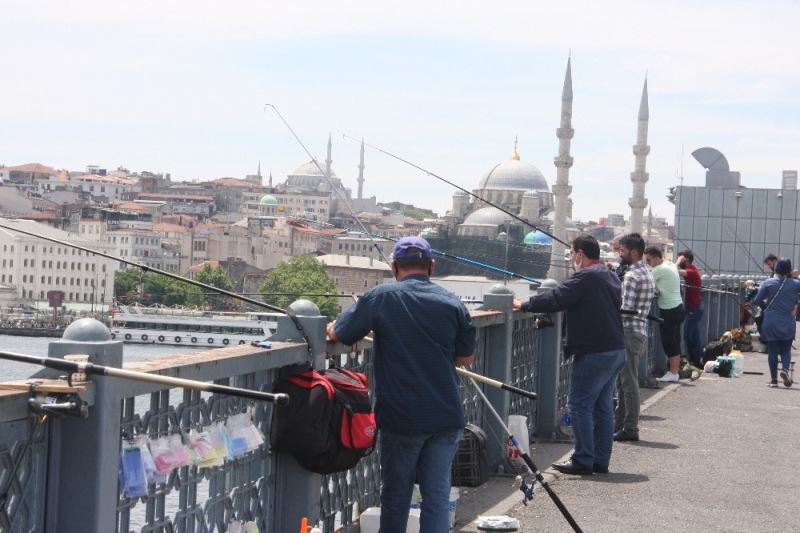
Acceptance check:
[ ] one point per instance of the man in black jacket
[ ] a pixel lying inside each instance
(592, 300)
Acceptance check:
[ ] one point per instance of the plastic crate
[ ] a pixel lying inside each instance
(471, 463)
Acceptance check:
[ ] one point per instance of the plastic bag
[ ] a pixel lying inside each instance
(518, 425)
(245, 436)
(134, 477)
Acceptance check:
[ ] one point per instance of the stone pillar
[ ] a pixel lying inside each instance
(297, 491)
(562, 189)
(498, 366)
(639, 176)
(89, 447)
(549, 370)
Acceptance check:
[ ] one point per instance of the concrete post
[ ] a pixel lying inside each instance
(89, 447)
(297, 491)
(498, 366)
(713, 308)
(706, 310)
(549, 370)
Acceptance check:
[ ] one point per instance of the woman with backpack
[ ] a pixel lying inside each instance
(778, 297)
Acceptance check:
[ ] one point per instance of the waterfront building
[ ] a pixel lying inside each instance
(354, 274)
(32, 267)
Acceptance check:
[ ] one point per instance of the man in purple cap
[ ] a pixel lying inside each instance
(421, 333)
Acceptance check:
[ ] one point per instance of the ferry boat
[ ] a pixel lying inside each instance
(187, 327)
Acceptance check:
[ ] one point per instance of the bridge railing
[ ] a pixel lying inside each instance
(64, 471)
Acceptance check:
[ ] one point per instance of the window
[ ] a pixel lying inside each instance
(26, 247)
(50, 279)
(33, 262)
(42, 279)
(24, 262)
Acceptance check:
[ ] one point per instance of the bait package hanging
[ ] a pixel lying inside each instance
(168, 453)
(134, 477)
(245, 436)
(237, 526)
(149, 465)
(201, 447)
(220, 440)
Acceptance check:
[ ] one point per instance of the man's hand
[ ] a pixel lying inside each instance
(331, 329)
(516, 304)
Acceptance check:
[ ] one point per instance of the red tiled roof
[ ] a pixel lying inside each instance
(166, 227)
(235, 182)
(36, 215)
(200, 266)
(158, 196)
(33, 167)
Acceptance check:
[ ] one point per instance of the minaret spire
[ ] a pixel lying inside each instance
(639, 176)
(515, 155)
(270, 178)
(361, 171)
(562, 189)
(258, 172)
(328, 160)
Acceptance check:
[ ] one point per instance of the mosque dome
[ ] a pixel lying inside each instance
(514, 175)
(537, 237)
(268, 199)
(310, 169)
(489, 216)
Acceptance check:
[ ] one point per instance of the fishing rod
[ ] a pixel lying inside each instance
(325, 175)
(743, 247)
(452, 257)
(528, 461)
(170, 275)
(489, 381)
(487, 202)
(74, 367)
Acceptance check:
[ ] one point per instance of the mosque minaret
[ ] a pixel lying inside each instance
(562, 189)
(361, 172)
(640, 176)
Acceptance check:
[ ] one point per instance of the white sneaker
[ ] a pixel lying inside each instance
(669, 376)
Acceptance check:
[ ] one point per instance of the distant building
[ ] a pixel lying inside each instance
(31, 267)
(731, 229)
(355, 275)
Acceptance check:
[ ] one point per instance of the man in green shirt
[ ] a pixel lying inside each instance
(670, 305)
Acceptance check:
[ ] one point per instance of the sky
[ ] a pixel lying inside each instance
(181, 87)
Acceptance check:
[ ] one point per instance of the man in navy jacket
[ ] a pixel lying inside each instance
(591, 298)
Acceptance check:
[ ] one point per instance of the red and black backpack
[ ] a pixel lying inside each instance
(329, 424)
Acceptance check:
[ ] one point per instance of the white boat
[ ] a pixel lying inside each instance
(187, 327)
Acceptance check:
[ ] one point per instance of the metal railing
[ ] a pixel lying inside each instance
(270, 489)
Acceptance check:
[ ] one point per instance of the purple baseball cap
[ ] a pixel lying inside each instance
(412, 248)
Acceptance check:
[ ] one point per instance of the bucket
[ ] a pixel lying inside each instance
(416, 503)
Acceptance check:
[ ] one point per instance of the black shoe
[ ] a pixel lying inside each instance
(622, 436)
(571, 467)
(597, 469)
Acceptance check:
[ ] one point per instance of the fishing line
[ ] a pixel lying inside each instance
(433, 174)
(327, 178)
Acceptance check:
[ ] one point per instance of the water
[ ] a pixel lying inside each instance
(10, 370)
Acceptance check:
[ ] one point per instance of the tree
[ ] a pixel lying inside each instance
(298, 278)
(216, 277)
(157, 289)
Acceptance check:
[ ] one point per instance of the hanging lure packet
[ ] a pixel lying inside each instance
(245, 436)
(202, 450)
(169, 453)
(238, 526)
(133, 478)
(153, 476)
(221, 441)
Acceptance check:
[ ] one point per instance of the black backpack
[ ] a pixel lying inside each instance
(329, 424)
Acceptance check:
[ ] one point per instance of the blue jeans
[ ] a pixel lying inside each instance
(775, 348)
(427, 459)
(591, 405)
(691, 334)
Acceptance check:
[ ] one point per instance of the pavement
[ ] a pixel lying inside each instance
(716, 454)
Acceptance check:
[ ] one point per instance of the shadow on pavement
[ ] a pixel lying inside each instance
(651, 417)
(652, 444)
(618, 477)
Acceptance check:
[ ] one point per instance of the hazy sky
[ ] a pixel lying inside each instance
(180, 87)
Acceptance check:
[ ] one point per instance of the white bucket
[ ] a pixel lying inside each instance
(416, 503)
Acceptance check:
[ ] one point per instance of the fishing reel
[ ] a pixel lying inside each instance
(527, 490)
(542, 322)
(58, 405)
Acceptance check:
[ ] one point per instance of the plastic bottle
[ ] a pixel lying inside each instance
(738, 365)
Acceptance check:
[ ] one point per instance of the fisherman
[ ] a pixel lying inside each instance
(670, 305)
(592, 300)
(638, 291)
(421, 333)
(693, 304)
